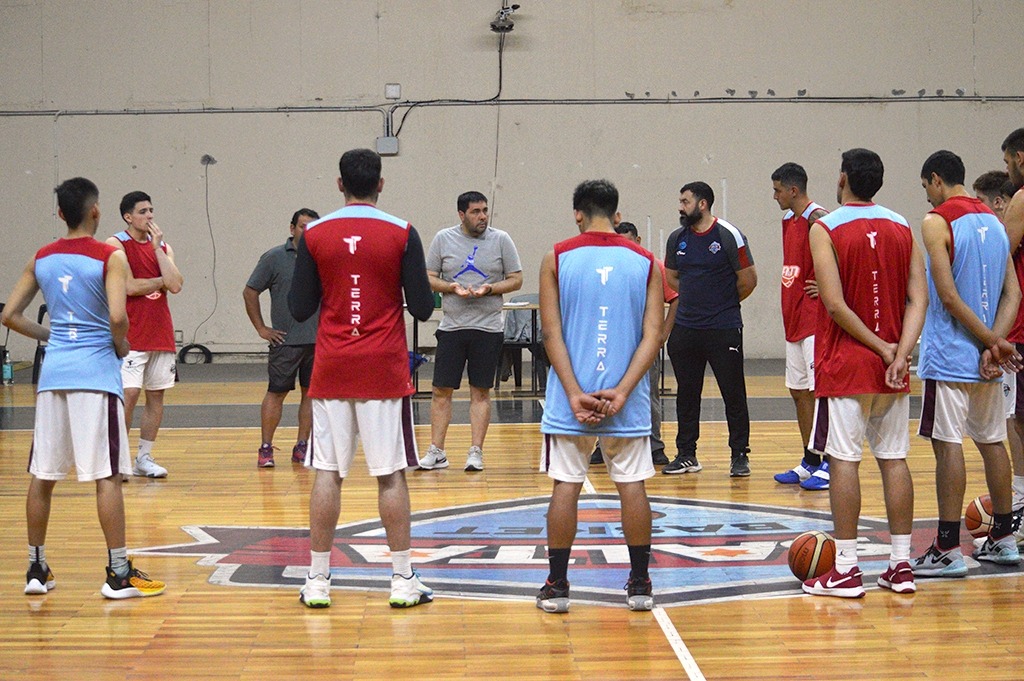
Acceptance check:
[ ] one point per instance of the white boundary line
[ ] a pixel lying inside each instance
(588, 487)
(689, 664)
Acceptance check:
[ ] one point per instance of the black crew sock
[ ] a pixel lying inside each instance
(558, 562)
(949, 535)
(811, 458)
(639, 560)
(1002, 525)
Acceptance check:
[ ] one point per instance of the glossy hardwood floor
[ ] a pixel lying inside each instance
(951, 629)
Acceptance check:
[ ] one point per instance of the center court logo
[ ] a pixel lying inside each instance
(702, 551)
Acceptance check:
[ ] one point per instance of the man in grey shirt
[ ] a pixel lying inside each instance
(472, 265)
(291, 342)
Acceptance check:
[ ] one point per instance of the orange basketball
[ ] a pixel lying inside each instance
(812, 554)
(978, 516)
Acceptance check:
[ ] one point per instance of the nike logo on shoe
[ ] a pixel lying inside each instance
(831, 585)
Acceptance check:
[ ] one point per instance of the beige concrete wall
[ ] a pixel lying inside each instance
(121, 91)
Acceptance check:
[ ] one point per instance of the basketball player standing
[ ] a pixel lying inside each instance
(799, 314)
(150, 364)
(973, 300)
(601, 305)
(871, 282)
(79, 418)
(355, 264)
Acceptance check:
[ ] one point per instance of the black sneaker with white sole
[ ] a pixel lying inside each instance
(683, 463)
(740, 466)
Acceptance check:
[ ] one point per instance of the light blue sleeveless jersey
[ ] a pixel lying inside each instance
(949, 352)
(80, 353)
(602, 287)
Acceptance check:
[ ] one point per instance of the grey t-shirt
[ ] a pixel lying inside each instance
(274, 272)
(472, 262)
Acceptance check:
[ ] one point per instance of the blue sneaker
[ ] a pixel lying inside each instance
(818, 480)
(796, 475)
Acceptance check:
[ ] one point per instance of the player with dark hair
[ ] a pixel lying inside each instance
(994, 189)
(1013, 220)
(601, 302)
(871, 280)
(708, 261)
(355, 265)
(799, 315)
(291, 343)
(974, 296)
(79, 419)
(150, 364)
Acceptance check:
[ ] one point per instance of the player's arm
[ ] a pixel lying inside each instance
(252, 308)
(670, 319)
(415, 283)
(913, 319)
(830, 290)
(938, 244)
(14, 310)
(117, 295)
(170, 276)
(584, 406)
(650, 345)
(137, 287)
(305, 294)
(811, 285)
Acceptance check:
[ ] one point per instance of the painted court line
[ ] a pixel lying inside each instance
(588, 487)
(689, 664)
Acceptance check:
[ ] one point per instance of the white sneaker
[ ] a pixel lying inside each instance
(434, 458)
(1018, 525)
(409, 591)
(475, 459)
(145, 467)
(316, 593)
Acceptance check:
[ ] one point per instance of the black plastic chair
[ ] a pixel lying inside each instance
(519, 336)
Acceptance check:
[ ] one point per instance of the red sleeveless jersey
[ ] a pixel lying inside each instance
(872, 247)
(150, 328)
(361, 350)
(799, 311)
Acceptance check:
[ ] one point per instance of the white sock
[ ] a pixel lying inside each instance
(846, 555)
(119, 561)
(402, 563)
(900, 549)
(1018, 486)
(320, 563)
(37, 554)
(145, 449)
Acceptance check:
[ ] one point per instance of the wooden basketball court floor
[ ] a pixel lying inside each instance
(205, 627)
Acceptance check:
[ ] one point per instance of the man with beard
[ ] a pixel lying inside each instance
(1013, 219)
(708, 261)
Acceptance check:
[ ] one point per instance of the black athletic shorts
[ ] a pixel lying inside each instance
(284, 362)
(455, 349)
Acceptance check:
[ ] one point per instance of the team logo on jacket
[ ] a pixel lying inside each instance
(702, 551)
(789, 274)
(155, 295)
(715, 247)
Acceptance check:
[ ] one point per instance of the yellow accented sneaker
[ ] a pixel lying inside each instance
(39, 579)
(136, 584)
